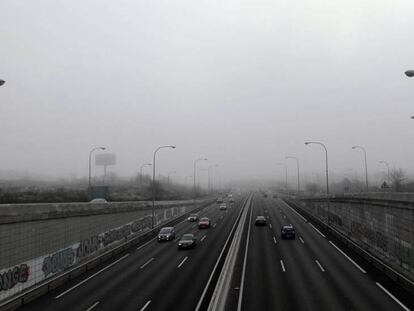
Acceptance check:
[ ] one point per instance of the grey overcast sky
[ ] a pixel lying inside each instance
(242, 82)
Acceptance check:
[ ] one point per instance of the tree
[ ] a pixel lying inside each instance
(397, 178)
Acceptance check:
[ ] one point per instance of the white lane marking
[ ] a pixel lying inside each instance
(274, 240)
(145, 306)
(320, 266)
(317, 230)
(148, 262)
(300, 238)
(145, 244)
(270, 226)
(303, 218)
(93, 306)
(240, 300)
(92, 276)
(193, 226)
(202, 239)
(282, 265)
(349, 258)
(392, 296)
(267, 217)
(182, 262)
(214, 225)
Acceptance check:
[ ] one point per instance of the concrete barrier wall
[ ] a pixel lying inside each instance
(38, 242)
(382, 224)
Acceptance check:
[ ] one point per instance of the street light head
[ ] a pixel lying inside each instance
(412, 117)
(409, 73)
(102, 148)
(307, 143)
(2, 82)
(173, 147)
(354, 147)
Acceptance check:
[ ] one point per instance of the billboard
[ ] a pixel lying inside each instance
(105, 159)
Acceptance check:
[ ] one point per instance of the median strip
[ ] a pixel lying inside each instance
(282, 265)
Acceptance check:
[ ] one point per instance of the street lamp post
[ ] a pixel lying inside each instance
(327, 174)
(153, 182)
(195, 173)
(209, 180)
(388, 170)
(365, 161)
(286, 174)
(297, 165)
(90, 169)
(140, 173)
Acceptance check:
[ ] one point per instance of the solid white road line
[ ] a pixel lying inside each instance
(303, 218)
(145, 244)
(270, 226)
(274, 240)
(202, 239)
(320, 266)
(182, 262)
(148, 262)
(240, 300)
(93, 306)
(282, 265)
(392, 296)
(92, 276)
(317, 230)
(347, 257)
(145, 306)
(300, 238)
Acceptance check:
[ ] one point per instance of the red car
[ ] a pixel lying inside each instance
(204, 223)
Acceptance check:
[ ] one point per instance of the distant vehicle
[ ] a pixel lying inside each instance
(231, 200)
(260, 221)
(204, 223)
(98, 201)
(265, 195)
(223, 207)
(188, 240)
(166, 234)
(219, 200)
(192, 217)
(229, 195)
(287, 232)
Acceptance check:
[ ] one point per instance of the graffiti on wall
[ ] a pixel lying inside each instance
(13, 276)
(58, 261)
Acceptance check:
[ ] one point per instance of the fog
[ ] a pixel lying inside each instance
(243, 83)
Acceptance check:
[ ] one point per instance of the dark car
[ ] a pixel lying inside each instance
(188, 240)
(166, 234)
(204, 223)
(287, 232)
(192, 217)
(260, 221)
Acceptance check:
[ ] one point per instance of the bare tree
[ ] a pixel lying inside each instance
(397, 178)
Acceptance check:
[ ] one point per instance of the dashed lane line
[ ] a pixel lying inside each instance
(182, 262)
(274, 240)
(202, 239)
(93, 306)
(301, 240)
(145, 306)
(320, 266)
(147, 263)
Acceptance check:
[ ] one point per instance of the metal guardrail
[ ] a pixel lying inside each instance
(46, 286)
(405, 282)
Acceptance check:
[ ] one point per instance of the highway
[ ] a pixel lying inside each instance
(156, 276)
(311, 272)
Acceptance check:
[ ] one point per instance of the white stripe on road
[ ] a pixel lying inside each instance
(202, 239)
(214, 225)
(317, 230)
(93, 306)
(148, 262)
(283, 266)
(193, 226)
(392, 296)
(182, 262)
(349, 258)
(92, 276)
(274, 240)
(143, 245)
(270, 226)
(267, 217)
(303, 218)
(300, 238)
(145, 306)
(320, 266)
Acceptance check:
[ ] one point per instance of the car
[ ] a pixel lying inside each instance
(187, 240)
(287, 232)
(192, 217)
(219, 200)
(204, 223)
(260, 221)
(231, 200)
(98, 201)
(166, 234)
(223, 207)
